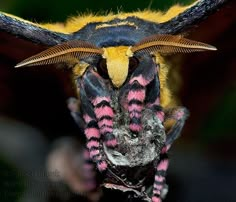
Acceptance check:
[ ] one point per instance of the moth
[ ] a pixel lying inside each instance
(124, 105)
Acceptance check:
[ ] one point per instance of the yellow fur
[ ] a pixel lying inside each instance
(165, 98)
(79, 69)
(117, 63)
(76, 23)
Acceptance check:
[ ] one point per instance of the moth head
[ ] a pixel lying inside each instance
(117, 61)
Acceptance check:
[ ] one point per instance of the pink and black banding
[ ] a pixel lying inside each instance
(92, 132)
(99, 96)
(179, 114)
(143, 75)
(135, 98)
(104, 114)
(93, 144)
(160, 176)
(153, 98)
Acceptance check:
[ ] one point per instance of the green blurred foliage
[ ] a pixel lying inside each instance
(59, 10)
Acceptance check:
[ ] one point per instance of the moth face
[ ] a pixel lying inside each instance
(118, 63)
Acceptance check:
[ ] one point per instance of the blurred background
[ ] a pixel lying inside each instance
(33, 112)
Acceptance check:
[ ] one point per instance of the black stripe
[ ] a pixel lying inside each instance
(159, 183)
(161, 173)
(136, 87)
(109, 136)
(157, 195)
(135, 120)
(135, 101)
(93, 148)
(157, 108)
(136, 111)
(93, 139)
(163, 156)
(97, 155)
(105, 117)
(105, 126)
(100, 161)
(102, 104)
(92, 124)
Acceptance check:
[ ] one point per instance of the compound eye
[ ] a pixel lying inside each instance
(102, 68)
(133, 64)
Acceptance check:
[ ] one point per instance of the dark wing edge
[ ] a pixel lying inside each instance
(30, 31)
(192, 16)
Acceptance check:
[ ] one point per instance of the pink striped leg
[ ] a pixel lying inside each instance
(88, 166)
(143, 75)
(98, 94)
(136, 98)
(179, 114)
(160, 175)
(104, 114)
(92, 132)
(93, 143)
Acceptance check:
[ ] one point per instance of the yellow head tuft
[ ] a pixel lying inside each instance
(117, 63)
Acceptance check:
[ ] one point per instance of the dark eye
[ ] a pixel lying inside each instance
(102, 68)
(133, 63)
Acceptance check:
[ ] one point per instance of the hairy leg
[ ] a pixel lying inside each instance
(133, 94)
(98, 94)
(88, 165)
(179, 115)
(92, 132)
(153, 98)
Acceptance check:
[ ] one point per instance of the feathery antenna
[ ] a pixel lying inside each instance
(170, 44)
(65, 52)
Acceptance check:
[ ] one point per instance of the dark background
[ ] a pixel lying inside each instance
(34, 114)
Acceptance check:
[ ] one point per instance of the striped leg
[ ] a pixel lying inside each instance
(104, 115)
(98, 94)
(136, 98)
(160, 175)
(153, 98)
(92, 132)
(88, 166)
(141, 77)
(179, 114)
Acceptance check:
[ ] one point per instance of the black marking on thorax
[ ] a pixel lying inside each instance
(116, 32)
